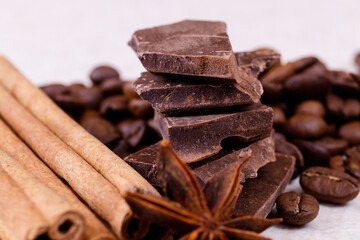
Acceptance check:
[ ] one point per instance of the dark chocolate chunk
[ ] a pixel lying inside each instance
(197, 137)
(173, 94)
(198, 48)
(259, 60)
(262, 152)
(259, 194)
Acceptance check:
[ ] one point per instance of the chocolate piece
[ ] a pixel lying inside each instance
(259, 60)
(262, 152)
(198, 48)
(173, 94)
(197, 137)
(259, 194)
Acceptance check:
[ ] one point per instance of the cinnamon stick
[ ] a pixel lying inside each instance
(65, 222)
(14, 147)
(90, 185)
(19, 218)
(113, 168)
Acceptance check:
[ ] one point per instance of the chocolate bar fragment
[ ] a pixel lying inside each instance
(262, 152)
(259, 194)
(197, 137)
(198, 48)
(258, 61)
(173, 94)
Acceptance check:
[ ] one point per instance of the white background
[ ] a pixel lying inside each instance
(60, 41)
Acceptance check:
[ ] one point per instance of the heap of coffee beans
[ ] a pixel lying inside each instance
(317, 119)
(108, 109)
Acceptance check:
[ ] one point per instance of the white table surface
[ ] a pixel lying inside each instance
(60, 41)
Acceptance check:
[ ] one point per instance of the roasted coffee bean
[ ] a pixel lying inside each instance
(114, 106)
(304, 63)
(111, 86)
(353, 152)
(351, 109)
(345, 84)
(329, 185)
(75, 86)
(70, 103)
(305, 126)
(54, 89)
(314, 154)
(128, 91)
(92, 96)
(283, 146)
(351, 132)
(141, 108)
(310, 83)
(353, 167)
(279, 74)
(132, 130)
(313, 107)
(121, 149)
(272, 92)
(333, 145)
(337, 163)
(295, 209)
(100, 128)
(334, 104)
(101, 73)
(279, 116)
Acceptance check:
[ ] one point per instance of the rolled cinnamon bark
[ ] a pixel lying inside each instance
(19, 218)
(65, 222)
(90, 185)
(14, 147)
(113, 168)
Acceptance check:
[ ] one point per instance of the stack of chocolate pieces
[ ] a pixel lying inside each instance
(207, 105)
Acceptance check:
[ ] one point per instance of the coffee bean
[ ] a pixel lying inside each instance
(353, 152)
(351, 132)
(353, 167)
(128, 91)
(133, 131)
(297, 210)
(121, 149)
(92, 96)
(141, 108)
(114, 106)
(337, 163)
(279, 74)
(75, 86)
(272, 92)
(100, 128)
(305, 126)
(351, 109)
(111, 86)
(314, 154)
(70, 103)
(54, 89)
(101, 73)
(313, 107)
(329, 185)
(279, 116)
(333, 145)
(304, 63)
(283, 146)
(334, 104)
(345, 84)
(310, 83)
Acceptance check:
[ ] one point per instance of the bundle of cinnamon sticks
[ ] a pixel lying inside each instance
(56, 180)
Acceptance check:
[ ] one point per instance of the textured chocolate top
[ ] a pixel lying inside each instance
(197, 137)
(199, 48)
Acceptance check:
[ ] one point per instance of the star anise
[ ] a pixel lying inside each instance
(192, 213)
